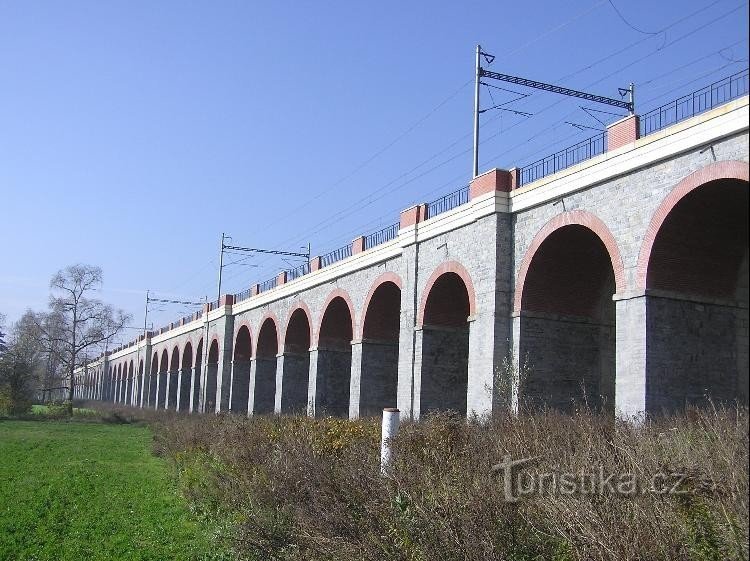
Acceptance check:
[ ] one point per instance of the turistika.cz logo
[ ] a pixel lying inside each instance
(518, 481)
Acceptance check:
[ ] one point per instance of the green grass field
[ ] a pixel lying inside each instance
(89, 491)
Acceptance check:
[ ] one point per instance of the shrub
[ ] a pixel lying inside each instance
(293, 488)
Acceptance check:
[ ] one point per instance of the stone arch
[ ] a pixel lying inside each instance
(243, 352)
(573, 217)
(113, 383)
(173, 376)
(195, 399)
(266, 351)
(379, 344)
(120, 389)
(129, 391)
(566, 315)
(385, 277)
(457, 269)
(163, 379)
(141, 383)
(443, 340)
(712, 172)
(336, 293)
(296, 360)
(186, 375)
(299, 305)
(693, 269)
(212, 373)
(334, 355)
(153, 375)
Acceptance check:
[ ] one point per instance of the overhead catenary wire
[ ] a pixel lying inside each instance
(453, 157)
(630, 25)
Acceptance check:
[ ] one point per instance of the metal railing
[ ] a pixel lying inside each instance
(381, 236)
(692, 104)
(448, 202)
(186, 319)
(297, 272)
(336, 255)
(268, 285)
(244, 295)
(564, 159)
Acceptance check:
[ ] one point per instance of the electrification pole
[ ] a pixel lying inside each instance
(484, 73)
(221, 264)
(477, 76)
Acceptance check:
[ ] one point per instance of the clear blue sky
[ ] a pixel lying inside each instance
(133, 133)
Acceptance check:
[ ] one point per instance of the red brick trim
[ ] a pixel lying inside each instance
(385, 277)
(412, 215)
(625, 131)
(448, 267)
(338, 292)
(489, 182)
(237, 326)
(275, 320)
(731, 169)
(358, 245)
(300, 305)
(581, 218)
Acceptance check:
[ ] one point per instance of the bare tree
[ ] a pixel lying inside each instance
(2, 334)
(76, 327)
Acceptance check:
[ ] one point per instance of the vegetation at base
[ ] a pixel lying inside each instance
(60, 410)
(92, 491)
(293, 489)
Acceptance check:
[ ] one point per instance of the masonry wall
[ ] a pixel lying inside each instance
(489, 250)
(444, 370)
(694, 346)
(294, 383)
(571, 362)
(625, 204)
(379, 384)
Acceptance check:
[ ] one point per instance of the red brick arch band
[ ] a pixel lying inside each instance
(299, 305)
(275, 320)
(385, 277)
(448, 267)
(730, 169)
(573, 217)
(336, 293)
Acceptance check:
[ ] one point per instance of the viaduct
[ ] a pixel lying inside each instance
(614, 273)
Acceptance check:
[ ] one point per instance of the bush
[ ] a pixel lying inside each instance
(13, 406)
(294, 488)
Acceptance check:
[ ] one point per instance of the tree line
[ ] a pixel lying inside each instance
(40, 353)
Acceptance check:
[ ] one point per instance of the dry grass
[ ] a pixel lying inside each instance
(294, 488)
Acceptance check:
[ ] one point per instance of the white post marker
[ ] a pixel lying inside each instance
(390, 429)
